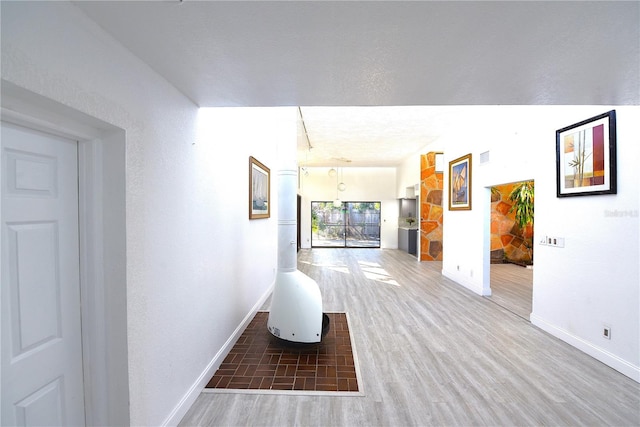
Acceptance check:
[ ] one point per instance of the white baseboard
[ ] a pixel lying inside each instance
(194, 391)
(609, 359)
(465, 282)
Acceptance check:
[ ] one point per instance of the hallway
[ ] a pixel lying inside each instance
(432, 353)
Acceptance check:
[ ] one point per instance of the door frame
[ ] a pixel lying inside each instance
(102, 227)
(298, 220)
(486, 236)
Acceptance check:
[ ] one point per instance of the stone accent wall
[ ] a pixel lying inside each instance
(508, 242)
(431, 186)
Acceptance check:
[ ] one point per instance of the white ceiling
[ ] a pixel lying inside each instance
(320, 54)
(371, 136)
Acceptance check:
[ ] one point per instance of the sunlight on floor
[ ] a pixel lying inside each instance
(373, 271)
(332, 267)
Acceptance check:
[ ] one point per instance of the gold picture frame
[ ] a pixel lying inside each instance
(259, 189)
(460, 184)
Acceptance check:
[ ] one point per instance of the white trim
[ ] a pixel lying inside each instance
(356, 361)
(92, 280)
(26, 120)
(91, 283)
(180, 410)
(474, 287)
(589, 348)
(285, 392)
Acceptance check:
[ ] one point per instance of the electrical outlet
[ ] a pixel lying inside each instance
(558, 242)
(606, 332)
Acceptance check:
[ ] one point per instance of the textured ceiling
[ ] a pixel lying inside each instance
(389, 53)
(370, 136)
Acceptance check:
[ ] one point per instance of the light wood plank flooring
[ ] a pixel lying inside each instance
(512, 288)
(433, 353)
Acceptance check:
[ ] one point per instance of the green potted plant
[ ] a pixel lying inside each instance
(522, 197)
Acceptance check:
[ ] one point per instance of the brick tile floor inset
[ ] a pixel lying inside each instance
(259, 361)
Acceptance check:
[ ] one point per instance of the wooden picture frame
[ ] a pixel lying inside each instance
(259, 190)
(460, 184)
(586, 157)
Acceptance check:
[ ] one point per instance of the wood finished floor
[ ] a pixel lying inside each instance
(432, 353)
(512, 288)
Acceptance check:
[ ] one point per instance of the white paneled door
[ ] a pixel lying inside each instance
(42, 378)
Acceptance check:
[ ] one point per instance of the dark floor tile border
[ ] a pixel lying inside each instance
(258, 363)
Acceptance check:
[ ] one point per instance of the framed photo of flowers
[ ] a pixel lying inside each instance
(259, 190)
(460, 184)
(586, 157)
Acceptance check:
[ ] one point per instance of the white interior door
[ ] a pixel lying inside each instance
(42, 377)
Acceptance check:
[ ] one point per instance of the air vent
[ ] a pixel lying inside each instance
(484, 157)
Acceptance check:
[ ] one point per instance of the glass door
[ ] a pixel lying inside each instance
(352, 224)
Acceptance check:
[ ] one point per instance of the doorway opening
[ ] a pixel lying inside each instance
(348, 225)
(511, 265)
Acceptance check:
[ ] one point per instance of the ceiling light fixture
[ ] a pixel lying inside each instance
(337, 202)
(342, 186)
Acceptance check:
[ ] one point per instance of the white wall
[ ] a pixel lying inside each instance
(512, 143)
(196, 266)
(408, 175)
(594, 280)
(363, 184)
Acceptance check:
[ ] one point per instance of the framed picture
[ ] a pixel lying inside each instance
(460, 184)
(259, 190)
(586, 157)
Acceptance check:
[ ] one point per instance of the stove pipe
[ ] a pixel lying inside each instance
(296, 303)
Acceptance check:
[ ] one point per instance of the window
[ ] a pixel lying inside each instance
(352, 224)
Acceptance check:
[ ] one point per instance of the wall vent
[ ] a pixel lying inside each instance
(484, 157)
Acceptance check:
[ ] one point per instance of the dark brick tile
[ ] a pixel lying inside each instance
(258, 361)
(326, 387)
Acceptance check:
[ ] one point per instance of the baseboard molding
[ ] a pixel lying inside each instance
(465, 282)
(609, 359)
(194, 391)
